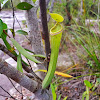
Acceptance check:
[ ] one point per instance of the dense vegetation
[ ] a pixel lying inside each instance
(80, 41)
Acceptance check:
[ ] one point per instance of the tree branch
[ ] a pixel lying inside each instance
(17, 76)
(45, 27)
(26, 68)
(7, 93)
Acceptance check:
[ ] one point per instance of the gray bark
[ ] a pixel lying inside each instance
(35, 35)
(26, 68)
(24, 81)
(17, 76)
(32, 23)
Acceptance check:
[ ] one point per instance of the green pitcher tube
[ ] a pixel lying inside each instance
(55, 37)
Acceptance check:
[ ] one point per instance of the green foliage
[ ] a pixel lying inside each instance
(86, 93)
(89, 41)
(1, 1)
(34, 1)
(3, 36)
(88, 87)
(1, 27)
(91, 6)
(24, 6)
(19, 63)
(39, 55)
(87, 83)
(22, 32)
(23, 51)
(53, 91)
(65, 98)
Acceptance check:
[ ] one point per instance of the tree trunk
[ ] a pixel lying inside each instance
(32, 23)
(24, 81)
(35, 35)
(17, 76)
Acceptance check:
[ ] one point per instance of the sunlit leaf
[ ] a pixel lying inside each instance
(58, 73)
(34, 1)
(65, 98)
(1, 27)
(87, 83)
(22, 32)
(57, 17)
(23, 51)
(24, 6)
(19, 64)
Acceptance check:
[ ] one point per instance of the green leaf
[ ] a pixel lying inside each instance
(19, 63)
(23, 51)
(53, 91)
(39, 55)
(4, 26)
(36, 55)
(65, 98)
(24, 6)
(87, 83)
(1, 1)
(29, 51)
(5, 41)
(8, 45)
(57, 17)
(34, 1)
(3, 35)
(1, 27)
(22, 32)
